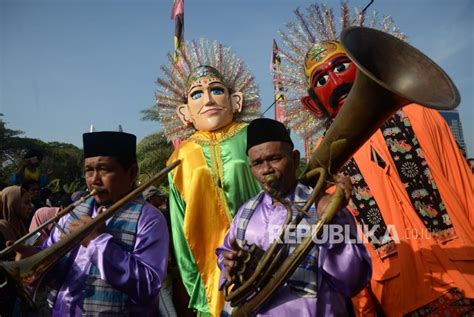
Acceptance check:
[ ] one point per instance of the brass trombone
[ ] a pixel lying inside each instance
(54, 220)
(27, 271)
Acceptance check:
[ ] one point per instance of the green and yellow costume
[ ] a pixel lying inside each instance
(214, 178)
(206, 190)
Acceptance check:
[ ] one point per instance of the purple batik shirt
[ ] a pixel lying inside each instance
(139, 273)
(343, 268)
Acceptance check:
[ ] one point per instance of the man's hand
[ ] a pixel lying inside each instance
(343, 183)
(83, 220)
(22, 251)
(230, 260)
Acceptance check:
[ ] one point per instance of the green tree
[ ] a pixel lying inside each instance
(6, 134)
(62, 162)
(152, 153)
(7, 149)
(150, 114)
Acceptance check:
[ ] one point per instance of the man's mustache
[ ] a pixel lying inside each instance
(338, 93)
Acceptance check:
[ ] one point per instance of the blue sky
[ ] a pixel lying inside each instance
(67, 64)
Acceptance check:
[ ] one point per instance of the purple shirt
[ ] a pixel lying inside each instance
(139, 273)
(343, 268)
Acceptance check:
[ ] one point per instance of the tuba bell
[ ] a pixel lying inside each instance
(390, 74)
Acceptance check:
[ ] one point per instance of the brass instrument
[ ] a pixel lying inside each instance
(30, 269)
(53, 220)
(390, 75)
(261, 263)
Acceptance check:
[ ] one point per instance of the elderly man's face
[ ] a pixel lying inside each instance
(109, 177)
(275, 159)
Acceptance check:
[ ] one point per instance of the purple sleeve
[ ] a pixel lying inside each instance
(226, 247)
(55, 234)
(345, 265)
(141, 272)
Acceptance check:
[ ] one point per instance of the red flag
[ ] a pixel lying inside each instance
(277, 86)
(177, 14)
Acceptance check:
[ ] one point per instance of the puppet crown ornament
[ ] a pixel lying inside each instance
(203, 71)
(318, 54)
(307, 41)
(193, 58)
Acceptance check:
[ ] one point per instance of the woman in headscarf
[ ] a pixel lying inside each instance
(16, 210)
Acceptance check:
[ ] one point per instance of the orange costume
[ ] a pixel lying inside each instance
(413, 190)
(421, 268)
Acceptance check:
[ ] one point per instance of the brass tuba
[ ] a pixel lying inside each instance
(390, 75)
(21, 275)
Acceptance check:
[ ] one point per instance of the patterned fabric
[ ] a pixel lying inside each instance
(304, 278)
(99, 296)
(247, 211)
(453, 303)
(364, 207)
(416, 176)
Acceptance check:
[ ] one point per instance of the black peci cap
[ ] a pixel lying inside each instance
(266, 130)
(110, 143)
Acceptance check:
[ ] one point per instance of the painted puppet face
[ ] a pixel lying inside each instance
(210, 106)
(330, 75)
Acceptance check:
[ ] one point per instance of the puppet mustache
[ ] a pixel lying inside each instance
(339, 92)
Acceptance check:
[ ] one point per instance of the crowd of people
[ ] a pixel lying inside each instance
(403, 203)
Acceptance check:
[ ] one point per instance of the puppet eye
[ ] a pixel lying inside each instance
(217, 91)
(196, 94)
(341, 67)
(322, 81)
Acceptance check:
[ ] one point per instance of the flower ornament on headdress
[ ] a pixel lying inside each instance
(299, 37)
(173, 86)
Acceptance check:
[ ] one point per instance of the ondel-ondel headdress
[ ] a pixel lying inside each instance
(318, 24)
(172, 88)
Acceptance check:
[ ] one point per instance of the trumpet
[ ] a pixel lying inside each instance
(27, 271)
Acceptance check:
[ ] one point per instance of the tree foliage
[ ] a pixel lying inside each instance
(152, 153)
(8, 147)
(62, 162)
(150, 114)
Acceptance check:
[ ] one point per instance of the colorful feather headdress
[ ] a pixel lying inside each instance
(172, 92)
(317, 25)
